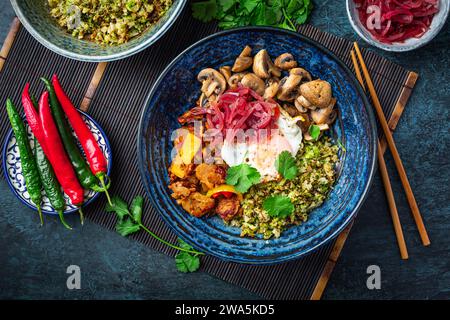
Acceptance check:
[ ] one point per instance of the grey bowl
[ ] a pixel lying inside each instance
(34, 15)
(410, 44)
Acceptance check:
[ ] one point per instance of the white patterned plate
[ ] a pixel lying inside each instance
(13, 168)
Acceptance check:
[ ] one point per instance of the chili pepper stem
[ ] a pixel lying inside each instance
(63, 221)
(168, 243)
(40, 214)
(102, 181)
(81, 216)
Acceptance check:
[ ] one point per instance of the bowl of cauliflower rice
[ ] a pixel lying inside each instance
(97, 30)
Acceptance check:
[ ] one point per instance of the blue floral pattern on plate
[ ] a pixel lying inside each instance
(176, 91)
(12, 168)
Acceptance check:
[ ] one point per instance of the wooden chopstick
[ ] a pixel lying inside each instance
(385, 178)
(391, 144)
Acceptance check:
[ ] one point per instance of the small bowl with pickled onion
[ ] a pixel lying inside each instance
(397, 25)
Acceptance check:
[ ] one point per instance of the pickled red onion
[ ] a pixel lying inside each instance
(400, 19)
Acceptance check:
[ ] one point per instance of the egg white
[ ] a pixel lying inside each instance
(263, 153)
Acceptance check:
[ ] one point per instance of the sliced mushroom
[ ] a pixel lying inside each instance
(213, 82)
(301, 102)
(317, 92)
(324, 115)
(289, 87)
(226, 72)
(299, 106)
(263, 67)
(306, 76)
(285, 61)
(272, 86)
(203, 100)
(243, 61)
(255, 83)
(235, 79)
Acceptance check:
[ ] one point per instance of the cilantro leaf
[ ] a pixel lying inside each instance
(186, 262)
(119, 206)
(278, 206)
(227, 4)
(234, 13)
(242, 177)
(136, 208)
(250, 5)
(286, 166)
(204, 11)
(314, 131)
(127, 226)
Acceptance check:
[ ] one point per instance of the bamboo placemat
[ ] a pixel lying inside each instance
(114, 94)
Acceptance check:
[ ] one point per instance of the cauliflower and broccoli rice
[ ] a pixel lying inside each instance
(316, 164)
(107, 21)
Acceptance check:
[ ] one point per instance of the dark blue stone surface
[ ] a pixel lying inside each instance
(34, 260)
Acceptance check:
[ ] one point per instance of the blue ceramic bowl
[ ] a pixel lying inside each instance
(34, 15)
(177, 89)
(12, 168)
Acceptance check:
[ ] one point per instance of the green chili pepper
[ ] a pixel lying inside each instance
(85, 176)
(51, 185)
(29, 167)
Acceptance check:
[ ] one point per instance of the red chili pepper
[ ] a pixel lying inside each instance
(33, 118)
(94, 154)
(57, 156)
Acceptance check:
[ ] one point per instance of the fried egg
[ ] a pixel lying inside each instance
(262, 154)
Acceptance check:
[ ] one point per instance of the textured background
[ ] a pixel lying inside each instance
(34, 260)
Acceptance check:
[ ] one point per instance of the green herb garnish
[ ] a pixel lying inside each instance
(129, 221)
(233, 13)
(185, 261)
(242, 177)
(286, 166)
(314, 131)
(278, 206)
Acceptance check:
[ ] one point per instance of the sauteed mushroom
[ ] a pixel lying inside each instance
(289, 87)
(299, 105)
(253, 82)
(243, 61)
(317, 92)
(272, 86)
(226, 72)
(212, 82)
(301, 72)
(324, 115)
(235, 79)
(301, 102)
(285, 61)
(263, 67)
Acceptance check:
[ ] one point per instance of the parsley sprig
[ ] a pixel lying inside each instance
(237, 13)
(129, 221)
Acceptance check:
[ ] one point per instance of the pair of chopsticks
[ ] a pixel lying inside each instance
(398, 162)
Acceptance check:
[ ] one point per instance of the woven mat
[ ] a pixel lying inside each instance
(114, 94)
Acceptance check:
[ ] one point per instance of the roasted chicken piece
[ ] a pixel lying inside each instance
(210, 175)
(197, 204)
(227, 208)
(181, 189)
